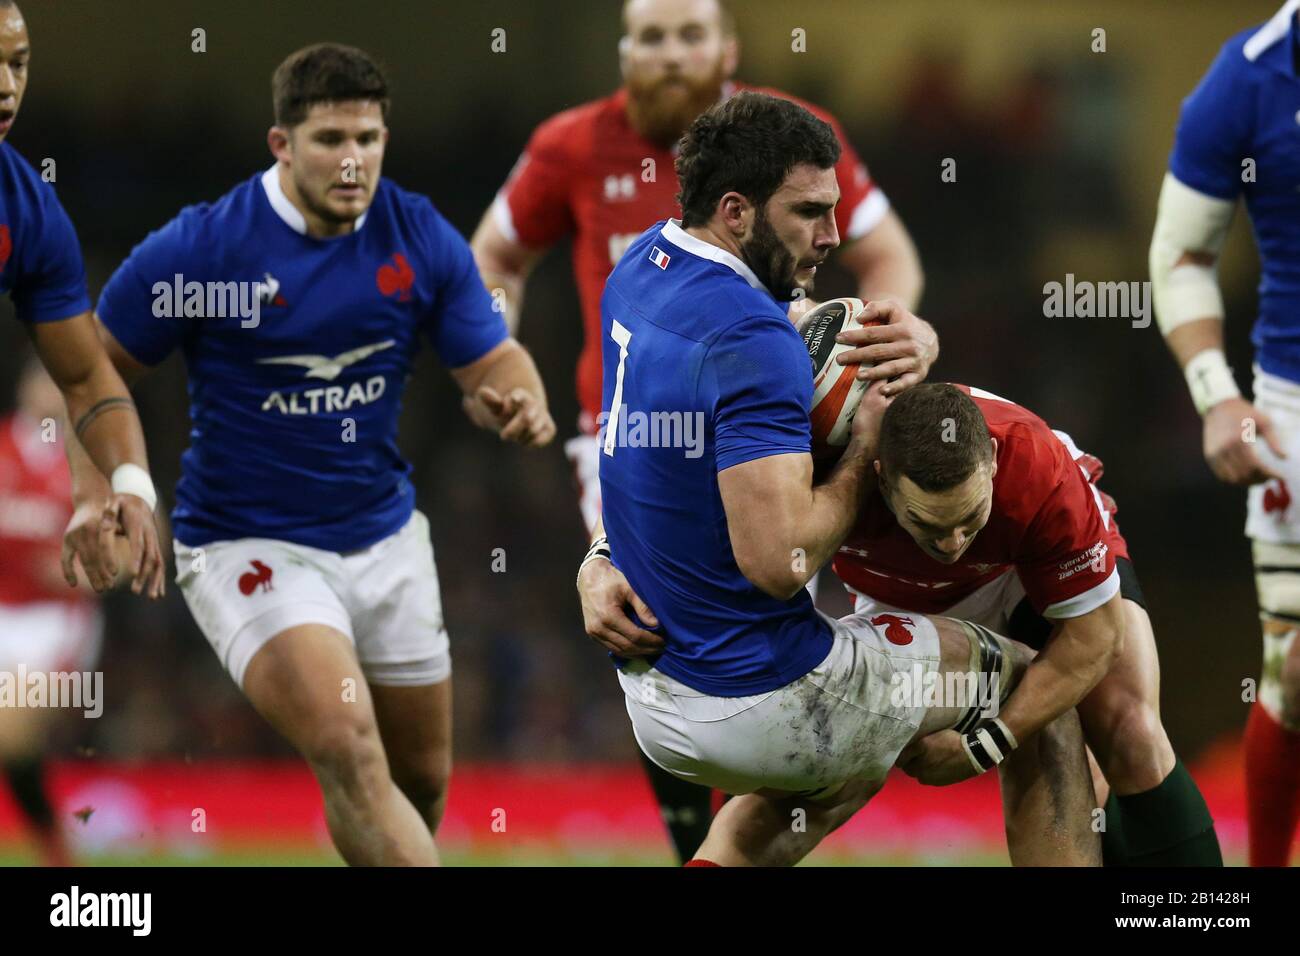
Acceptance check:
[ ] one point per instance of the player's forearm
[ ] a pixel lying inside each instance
(105, 431)
(1187, 341)
(894, 273)
(835, 505)
(513, 368)
(507, 290)
(793, 536)
(1077, 656)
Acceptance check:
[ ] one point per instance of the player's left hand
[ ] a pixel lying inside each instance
(517, 416)
(936, 760)
(902, 350)
(606, 597)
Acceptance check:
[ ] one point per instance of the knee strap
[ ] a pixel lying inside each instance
(991, 663)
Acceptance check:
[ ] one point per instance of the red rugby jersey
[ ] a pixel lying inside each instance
(35, 505)
(586, 172)
(1049, 522)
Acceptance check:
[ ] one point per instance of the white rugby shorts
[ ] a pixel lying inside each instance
(385, 598)
(1272, 509)
(839, 722)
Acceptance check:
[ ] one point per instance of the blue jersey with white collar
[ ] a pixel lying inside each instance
(40, 258)
(1247, 107)
(702, 371)
(297, 350)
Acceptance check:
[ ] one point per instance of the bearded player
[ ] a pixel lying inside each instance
(603, 172)
(299, 549)
(755, 692)
(42, 271)
(1236, 139)
(984, 514)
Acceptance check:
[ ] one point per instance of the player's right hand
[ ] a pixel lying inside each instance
(1231, 427)
(91, 539)
(605, 596)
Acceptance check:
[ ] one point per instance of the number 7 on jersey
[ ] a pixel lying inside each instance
(622, 336)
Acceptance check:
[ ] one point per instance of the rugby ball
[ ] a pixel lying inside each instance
(836, 388)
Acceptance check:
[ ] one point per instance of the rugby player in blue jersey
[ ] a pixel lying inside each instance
(1239, 138)
(299, 300)
(42, 271)
(717, 522)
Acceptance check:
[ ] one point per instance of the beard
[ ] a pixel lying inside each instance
(662, 110)
(320, 206)
(770, 260)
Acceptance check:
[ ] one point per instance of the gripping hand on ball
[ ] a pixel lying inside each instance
(899, 352)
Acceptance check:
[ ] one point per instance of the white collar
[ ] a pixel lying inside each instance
(286, 210)
(679, 237)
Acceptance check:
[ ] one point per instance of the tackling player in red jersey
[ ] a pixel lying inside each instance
(985, 514)
(603, 173)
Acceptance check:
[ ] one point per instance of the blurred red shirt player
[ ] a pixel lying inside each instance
(45, 626)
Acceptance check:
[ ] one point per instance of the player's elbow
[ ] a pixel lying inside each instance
(778, 579)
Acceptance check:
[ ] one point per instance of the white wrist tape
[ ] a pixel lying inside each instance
(1210, 380)
(989, 744)
(131, 479)
(1187, 221)
(599, 549)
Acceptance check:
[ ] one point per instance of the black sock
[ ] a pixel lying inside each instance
(687, 808)
(1170, 825)
(1114, 852)
(27, 782)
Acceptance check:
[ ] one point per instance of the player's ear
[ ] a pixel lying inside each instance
(277, 139)
(624, 51)
(994, 470)
(732, 208)
(730, 56)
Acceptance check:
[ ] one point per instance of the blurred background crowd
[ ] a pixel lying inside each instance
(1059, 149)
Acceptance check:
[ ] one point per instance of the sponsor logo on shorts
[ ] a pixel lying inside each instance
(1277, 498)
(898, 630)
(260, 576)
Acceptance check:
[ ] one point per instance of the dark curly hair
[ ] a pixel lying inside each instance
(748, 144)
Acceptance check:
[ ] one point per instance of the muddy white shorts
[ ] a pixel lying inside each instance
(385, 598)
(1272, 508)
(50, 636)
(841, 721)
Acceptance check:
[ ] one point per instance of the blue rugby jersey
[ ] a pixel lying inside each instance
(294, 411)
(40, 258)
(702, 371)
(1247, 108)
